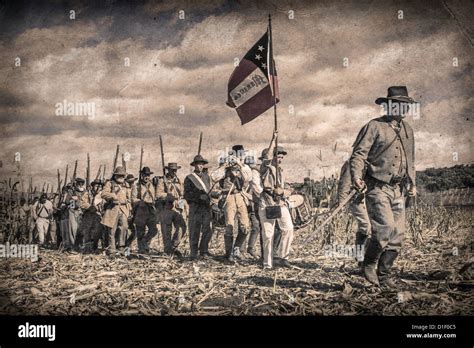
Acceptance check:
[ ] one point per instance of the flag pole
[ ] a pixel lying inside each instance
(271, 73)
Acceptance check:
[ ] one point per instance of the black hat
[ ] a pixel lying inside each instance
(279, 150)
(97, 182)
(146, 171)
(396, 93)
(199, 159)
(44, 195)
(237, 148)
(264, 154)
(80, 180)
(172, 165)
(120, 171)
(130, 177)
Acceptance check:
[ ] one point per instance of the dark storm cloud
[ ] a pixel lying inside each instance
(186, 63)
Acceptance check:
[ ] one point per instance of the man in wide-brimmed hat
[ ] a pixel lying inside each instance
(197, 187)
(117, 195)
(383, 164)
(42, 214)
(173, 209)
(92, 205)
(273, 182)
(255, 189)
(72, 214)
(236, 178)
(146, 216)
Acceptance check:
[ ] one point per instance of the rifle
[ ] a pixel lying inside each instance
(124, 163)
(331, 216)
(163, 157)
(65, 176)
(103, 173)
(200, 142)
(59, 182)
(88, 171)
(139, 174)
(98, 172)
(75, 172)
(116, 158)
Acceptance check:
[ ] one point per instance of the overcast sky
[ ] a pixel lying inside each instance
(187, 62)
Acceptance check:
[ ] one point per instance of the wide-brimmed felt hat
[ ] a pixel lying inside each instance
(146, 171)
(237, 148)
(172, 165)
(264, 154)
(97, 182)
(80, 181)
(199, 159)
(130, 177)
(396, 93)
(279, 150)
(120, 171)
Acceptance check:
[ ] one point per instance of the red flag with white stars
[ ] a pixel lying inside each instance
(250, 87)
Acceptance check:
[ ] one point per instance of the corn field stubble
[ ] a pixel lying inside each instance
(435, 271)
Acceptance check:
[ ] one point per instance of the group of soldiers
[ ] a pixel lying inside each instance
(251, 196)
(115, 213)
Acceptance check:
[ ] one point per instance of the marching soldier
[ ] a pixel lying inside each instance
(117, 195)
(196, 192)
(386, 144)
(174, 209)
(130, 179)
(356, 207)
(72, 214)
(146, 215)
(237, 177)
(273, 197)
(92, 205)
(42, 214)
(255, 189)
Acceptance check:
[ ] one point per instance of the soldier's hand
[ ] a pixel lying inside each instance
(412, 191)
(359, 184)
(203, 197)
(278, 191)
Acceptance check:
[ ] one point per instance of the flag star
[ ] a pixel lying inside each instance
(264, 65)
(260, 48)
(258, 56)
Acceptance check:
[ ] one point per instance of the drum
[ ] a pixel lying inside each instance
(217, 216)
(300, 210)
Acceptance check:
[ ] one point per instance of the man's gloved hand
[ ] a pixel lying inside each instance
(412, 191)
(203, 197)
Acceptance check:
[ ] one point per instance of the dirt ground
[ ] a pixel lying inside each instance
(435, 273)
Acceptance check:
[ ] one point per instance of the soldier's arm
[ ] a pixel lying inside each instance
(161, 190)
(107, 194)
(255, 183)
(361, 150)
(84, 203)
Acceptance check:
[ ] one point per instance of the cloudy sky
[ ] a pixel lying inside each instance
(184, 64)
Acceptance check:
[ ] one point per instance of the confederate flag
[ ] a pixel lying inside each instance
(250, 87)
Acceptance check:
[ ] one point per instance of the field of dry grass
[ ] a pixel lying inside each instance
(435, 272)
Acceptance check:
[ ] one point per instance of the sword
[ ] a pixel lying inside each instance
(331, 216)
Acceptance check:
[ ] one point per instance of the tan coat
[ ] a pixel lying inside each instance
(118, 198)
(383, 162)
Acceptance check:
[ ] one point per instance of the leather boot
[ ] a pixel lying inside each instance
(371, 258)
(360, 244)
(385, 268)
(229, 243)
